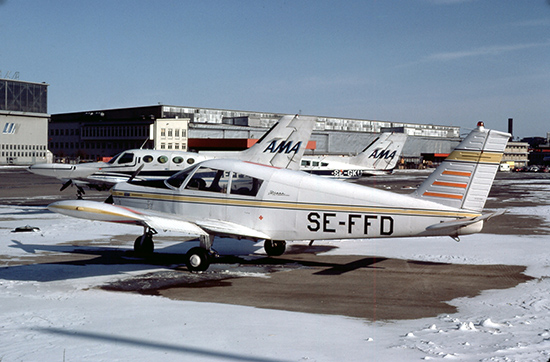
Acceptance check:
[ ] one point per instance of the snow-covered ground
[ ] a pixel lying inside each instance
(52, 312)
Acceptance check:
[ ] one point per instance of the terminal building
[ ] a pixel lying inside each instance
(24, 122)
(92, 135)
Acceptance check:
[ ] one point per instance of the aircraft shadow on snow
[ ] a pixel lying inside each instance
(89, 261)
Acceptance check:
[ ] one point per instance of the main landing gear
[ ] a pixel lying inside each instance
(144, 245)
(275, 247)
(200, 257)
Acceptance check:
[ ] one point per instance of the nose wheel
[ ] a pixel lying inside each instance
(198, 259)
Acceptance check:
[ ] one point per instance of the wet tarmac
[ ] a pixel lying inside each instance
(304, 279)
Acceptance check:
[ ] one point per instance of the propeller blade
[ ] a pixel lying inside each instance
(136, 172)
(66, 184)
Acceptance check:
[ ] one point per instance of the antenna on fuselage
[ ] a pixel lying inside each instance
(144, 143)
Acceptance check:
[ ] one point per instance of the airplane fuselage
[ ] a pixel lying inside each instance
(291, 205)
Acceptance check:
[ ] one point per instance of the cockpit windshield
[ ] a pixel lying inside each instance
(126, 157)
(122, 158)
(114, 158)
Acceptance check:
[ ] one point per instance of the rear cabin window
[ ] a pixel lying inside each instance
(245, 185)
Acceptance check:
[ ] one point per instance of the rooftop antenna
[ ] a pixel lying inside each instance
(143, 144)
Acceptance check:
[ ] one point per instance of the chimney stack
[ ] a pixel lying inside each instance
(511, 126)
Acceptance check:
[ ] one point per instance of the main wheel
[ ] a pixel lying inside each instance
(198, 259)
(144, 245)
(275, 247)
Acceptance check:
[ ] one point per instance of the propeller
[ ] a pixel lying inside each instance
(136, 172)
(66, 184)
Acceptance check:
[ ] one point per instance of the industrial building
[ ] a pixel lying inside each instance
(24, 121)
(92, 135)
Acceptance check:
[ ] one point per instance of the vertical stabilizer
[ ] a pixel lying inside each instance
(465, 177)
(383, 153)
(284, 144)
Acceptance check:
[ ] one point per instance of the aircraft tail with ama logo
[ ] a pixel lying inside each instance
(284, 144)
(465, 177)
(383, 153)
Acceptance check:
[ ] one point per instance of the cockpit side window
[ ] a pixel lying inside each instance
(127, 157)
(177, 179)
(209, 179)
(245, 185)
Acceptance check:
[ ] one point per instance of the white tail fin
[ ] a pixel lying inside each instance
(383, 153)
(284, 144)
(465, 178)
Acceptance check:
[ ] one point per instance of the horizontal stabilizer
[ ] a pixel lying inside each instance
(453, 227)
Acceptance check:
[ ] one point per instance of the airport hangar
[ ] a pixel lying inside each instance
(24, 122)
(93, 135)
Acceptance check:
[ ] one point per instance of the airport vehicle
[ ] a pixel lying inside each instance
(282, 146)
(232, 198)
(378, 158)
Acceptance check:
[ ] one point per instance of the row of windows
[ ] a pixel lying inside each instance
(87, 145)
(173, 132)
(23, 154)
(212, 180)
(104, 132)
(128, 157)
(23, 147)
(116, 131)
(65, 132)
(172, 146)
(307, 163)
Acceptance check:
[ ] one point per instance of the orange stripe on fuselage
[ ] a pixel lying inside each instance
(446, 196)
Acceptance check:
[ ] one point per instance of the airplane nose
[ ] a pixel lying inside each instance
(51, 169)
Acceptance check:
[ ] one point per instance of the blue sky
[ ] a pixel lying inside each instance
(450, 62)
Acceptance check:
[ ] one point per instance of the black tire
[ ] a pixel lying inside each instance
(275, 247)
(197, 259)
(144, 245)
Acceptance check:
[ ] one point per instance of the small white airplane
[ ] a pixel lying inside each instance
(232, 198)
(378, 158)
(281, 146)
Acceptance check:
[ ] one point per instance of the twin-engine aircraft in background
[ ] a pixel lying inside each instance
(232, 198)
(282, 146)
(378, 158)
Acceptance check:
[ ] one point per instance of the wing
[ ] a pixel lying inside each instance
(99, 211)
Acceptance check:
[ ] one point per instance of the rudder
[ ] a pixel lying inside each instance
(465, 177)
